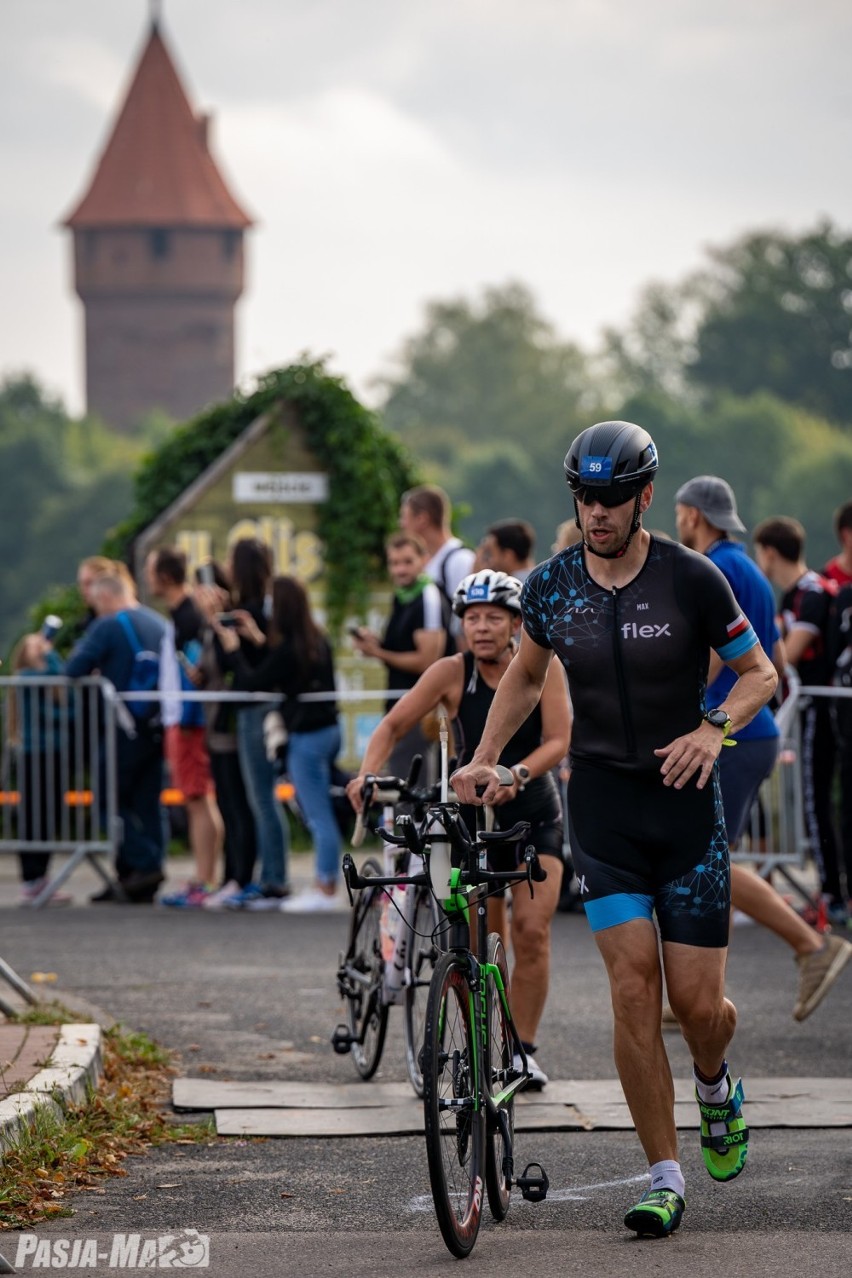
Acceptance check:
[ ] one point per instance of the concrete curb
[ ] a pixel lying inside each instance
(76, 1065)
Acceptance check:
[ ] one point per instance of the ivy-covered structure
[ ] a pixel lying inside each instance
(366, 471)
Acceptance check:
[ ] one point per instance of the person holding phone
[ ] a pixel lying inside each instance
(296, 657)
(249, 571)
(415, 636)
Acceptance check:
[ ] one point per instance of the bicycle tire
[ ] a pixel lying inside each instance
(498, 1061)
(453, 1116)
(422, 959)
(365, 1006)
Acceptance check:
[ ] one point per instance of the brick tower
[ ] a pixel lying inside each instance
(158, 257)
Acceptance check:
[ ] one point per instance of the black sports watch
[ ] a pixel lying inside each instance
(720, 719)
(522, 775)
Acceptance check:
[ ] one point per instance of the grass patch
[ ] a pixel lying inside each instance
(126, 1116)
(47, 1013)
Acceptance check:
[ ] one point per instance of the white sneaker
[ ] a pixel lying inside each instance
(216, 900)
(31, 889)
(538, 1078)
(312, 902)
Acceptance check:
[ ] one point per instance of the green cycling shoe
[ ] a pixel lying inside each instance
(657, 1213)
(724, 1153)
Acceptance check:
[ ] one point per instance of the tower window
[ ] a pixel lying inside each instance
(160, 245)
(231, 242)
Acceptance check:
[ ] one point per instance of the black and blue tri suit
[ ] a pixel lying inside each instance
(636, 658)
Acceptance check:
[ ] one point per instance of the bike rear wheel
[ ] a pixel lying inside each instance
(499, 1072)
(367, 1014)
(454, 1117)
(423, 955)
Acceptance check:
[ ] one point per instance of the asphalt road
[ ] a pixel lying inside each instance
(253, 997)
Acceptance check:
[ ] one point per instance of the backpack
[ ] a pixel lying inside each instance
(452, 625)
(191, 712)
(144, 675)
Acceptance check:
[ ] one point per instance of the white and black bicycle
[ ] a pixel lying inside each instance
(394, 933)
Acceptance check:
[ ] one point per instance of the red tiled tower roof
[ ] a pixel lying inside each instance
(156, 169)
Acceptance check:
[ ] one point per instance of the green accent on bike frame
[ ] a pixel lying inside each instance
(456, 903)
(491, 969)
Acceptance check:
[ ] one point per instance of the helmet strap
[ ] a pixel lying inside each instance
(634, 528)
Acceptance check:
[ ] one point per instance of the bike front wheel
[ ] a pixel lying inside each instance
(364, 973)
(423, 955)
(453, 1113)
(499, 1072)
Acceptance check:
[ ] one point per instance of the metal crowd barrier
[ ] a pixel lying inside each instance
(58, 773)
(58, 790)
(58, 762)
(777, 838)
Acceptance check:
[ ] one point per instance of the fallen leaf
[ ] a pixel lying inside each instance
(172, 1185)
(288, 1195)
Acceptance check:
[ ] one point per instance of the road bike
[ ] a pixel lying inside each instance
(394, 936)
(473, 1061)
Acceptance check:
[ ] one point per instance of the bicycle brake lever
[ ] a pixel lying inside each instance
(536, 873)
(347, 867)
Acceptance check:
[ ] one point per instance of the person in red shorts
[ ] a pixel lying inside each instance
(184, 729)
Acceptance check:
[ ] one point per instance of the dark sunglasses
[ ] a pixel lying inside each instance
(586, 495)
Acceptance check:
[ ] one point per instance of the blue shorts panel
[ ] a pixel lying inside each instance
(621, 907)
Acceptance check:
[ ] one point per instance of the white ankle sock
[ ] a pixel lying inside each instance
(667, 1175)
(714, 1094)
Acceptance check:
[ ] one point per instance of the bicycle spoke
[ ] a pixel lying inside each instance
(424, 952)
(361, 983)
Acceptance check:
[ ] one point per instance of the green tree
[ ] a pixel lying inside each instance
(779, 317)
(63, 483)
(770, 311)
(487, 397)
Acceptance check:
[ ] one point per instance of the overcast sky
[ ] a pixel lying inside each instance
(395, 153)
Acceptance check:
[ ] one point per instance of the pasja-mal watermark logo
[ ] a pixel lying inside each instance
(187, 1250)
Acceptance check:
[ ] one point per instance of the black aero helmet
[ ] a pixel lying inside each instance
(618, 458)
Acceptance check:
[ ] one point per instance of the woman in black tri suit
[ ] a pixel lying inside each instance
(489, 603)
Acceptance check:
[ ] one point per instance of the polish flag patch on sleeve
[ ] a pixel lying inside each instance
(737, 626)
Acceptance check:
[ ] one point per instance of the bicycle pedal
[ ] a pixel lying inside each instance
(533, 1188)
(342, 1040)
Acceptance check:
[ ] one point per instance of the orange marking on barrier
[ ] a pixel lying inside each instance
(170, 798)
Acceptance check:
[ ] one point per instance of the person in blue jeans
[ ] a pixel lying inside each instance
(249, 571)
(297, 659)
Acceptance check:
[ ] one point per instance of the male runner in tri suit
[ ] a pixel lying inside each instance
(632, 619)
(489, 604)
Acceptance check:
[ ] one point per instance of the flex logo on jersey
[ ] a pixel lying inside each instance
(632, 630)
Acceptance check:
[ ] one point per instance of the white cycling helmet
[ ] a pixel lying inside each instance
(488, 587)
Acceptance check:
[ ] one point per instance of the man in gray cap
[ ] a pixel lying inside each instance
(705, 513)
(714, 499)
